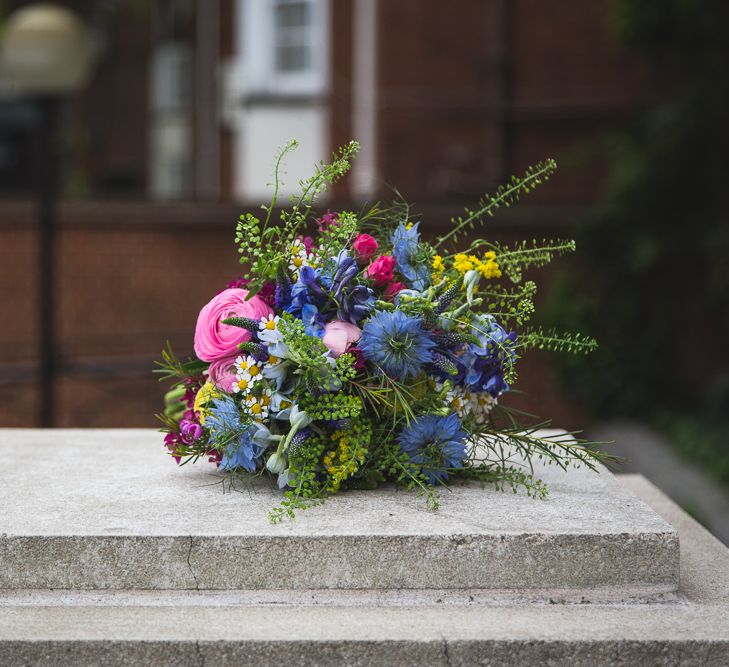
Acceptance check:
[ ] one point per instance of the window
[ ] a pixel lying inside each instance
(284, 46)
(293, 36)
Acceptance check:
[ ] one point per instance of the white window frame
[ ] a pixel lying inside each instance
(257, 51)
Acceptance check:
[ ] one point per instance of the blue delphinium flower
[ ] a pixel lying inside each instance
(233, 436)
(357, 303)
(313, 321)
(304, 291)
(484, 364)
(345, 268)
(435, 444)
(396, 343)
(306, 297)
(404, 249)
(283, 292)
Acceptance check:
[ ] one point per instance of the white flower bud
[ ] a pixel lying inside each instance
(470, 280)
(276, 463)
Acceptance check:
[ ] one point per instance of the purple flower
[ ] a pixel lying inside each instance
(327, 220)
(190, 431)
(356, 304)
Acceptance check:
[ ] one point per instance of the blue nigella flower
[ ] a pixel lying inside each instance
(240, 449)
(396, 343)
(434, 444)
(404, 249)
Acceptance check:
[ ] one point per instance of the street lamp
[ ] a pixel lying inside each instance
(45, 55)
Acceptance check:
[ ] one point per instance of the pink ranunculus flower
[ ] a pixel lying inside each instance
(214, 340)
(339, 335)
(365, 246)
(381, 270)
(222, 373)
(393, 289)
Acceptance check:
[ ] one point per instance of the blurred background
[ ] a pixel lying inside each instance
(123, 171)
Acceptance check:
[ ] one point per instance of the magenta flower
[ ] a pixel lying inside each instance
(222, 372)
(381, 270)
(365, 247)
(215, 340)
(327, 220)
(393, 289)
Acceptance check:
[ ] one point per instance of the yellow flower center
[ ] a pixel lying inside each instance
(270, 325)
(256, 409)
(285, 404)
(242, 385)
(297, 262)
(253, 370)
(265, 399)
(273, 360)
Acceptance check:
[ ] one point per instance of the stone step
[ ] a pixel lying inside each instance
(108, 509)
(403, 627)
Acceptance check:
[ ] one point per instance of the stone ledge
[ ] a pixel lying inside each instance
(126, 627)
(108, 509)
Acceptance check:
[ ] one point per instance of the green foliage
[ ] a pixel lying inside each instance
(331, 406)
(265, 247)
(335, 237)
(511, 304)
(502, 477)
(555, 341)
(525, 255)
(308, 354)
(506, 196)
(171, 367)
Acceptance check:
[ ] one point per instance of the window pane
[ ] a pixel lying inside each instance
(293, 58)
(292, 14)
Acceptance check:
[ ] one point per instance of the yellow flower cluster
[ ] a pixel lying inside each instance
(488, 267)
(342, 462)
(438, 269)
(204, 396)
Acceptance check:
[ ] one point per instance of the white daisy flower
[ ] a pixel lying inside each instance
(275, 369)
(248, 368)
(482, 404)
(268, 329)
(299, 257)
(259, 406)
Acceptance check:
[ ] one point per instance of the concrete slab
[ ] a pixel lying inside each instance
(108, 509)
(395, 628)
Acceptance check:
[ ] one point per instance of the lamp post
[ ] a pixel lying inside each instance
(45, 54)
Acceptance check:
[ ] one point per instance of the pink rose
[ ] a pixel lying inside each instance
(365, 246)
(214, 340)
(222, 373)
(339, 335)
(381, 270)
(393, 289)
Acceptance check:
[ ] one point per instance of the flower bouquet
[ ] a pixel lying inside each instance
(363, 353)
